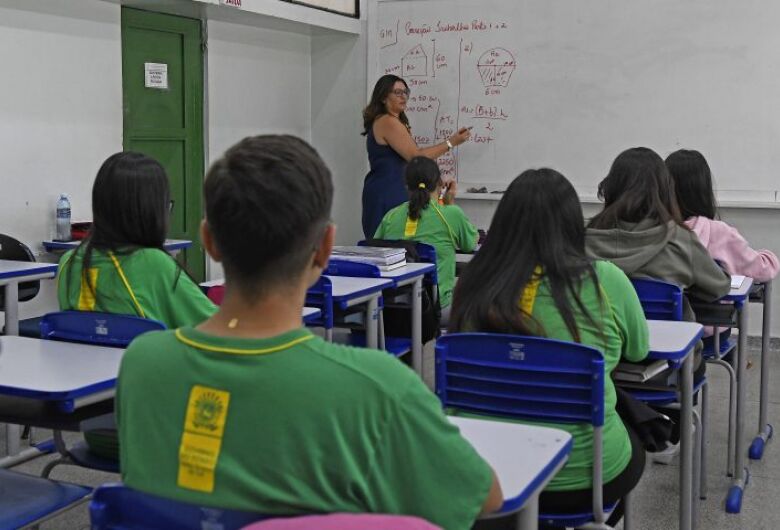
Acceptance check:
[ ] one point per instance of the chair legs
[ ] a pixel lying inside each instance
(730, 454)
(703, 445)
(627, 517)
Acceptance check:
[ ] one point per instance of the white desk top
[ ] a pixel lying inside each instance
(410, 270)
(59, 370)
(310, 312)
(523, 456)
(21, 269)
(349, 287)
(672, 340)
(740, 292)
(170, 244)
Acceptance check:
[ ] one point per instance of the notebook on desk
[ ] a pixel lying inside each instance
(736, 281)
(639, 372)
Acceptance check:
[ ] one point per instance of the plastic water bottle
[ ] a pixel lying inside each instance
(63, 218)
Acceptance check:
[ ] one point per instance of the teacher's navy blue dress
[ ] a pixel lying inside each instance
(384, 187)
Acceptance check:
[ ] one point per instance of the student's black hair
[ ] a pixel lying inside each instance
(376, 107)
(638, 186)
(268, 201)
(422, 177)
(693, 183)
(538, 223)
(130, 210)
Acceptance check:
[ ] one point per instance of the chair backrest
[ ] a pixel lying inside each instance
(115, 506)
(105, 329)
(530, 378)
(342, 267)
(13, 249)
(660, 300)
(320, 295)
(216, 294)
(345, 521)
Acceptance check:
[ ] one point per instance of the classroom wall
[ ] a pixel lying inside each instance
(259, 81)
(338, 65)
(758, 226)
(60, 113)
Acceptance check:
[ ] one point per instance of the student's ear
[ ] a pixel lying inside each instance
(207, 238)
(325, 246)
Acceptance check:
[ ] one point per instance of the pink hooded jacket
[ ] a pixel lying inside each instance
(727, 246)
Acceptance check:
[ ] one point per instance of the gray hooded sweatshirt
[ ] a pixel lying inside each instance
(668, 252)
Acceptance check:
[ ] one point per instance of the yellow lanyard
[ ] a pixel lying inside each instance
(528, 297)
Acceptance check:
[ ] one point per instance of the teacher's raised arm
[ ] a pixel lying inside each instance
(390, 145)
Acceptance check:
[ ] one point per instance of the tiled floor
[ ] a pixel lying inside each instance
(655, 500)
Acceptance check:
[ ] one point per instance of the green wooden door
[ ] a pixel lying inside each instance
(162, 81)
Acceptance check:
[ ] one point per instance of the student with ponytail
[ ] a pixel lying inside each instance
(422, 219)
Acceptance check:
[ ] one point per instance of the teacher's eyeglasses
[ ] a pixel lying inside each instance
(399, 92)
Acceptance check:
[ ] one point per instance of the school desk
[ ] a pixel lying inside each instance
(674, 342)
(172, 246)
(45, 383)
(524, 457)
(12, 273)
(349, 291)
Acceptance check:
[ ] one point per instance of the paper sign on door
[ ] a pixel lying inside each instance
(156, 75)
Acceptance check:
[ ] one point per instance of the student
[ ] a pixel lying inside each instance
(696, 198)
(251, 411)
(421, 219)
(641, 230)
(532, 277)
(121, 266)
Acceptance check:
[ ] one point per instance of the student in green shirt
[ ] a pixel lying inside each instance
(251, 411)
(422, 219)
(532, 277)
(121, 266)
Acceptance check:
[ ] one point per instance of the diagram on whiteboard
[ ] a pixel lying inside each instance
(460, 75)
(495, 67)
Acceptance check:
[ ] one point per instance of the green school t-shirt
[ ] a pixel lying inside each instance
(291, 424)
(156, 288)
(445, 227)
(620, 330)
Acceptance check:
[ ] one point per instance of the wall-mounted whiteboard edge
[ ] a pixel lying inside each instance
(592, 199)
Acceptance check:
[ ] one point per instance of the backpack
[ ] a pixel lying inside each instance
(398, 318)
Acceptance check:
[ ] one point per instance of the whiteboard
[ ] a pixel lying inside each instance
(569, 84)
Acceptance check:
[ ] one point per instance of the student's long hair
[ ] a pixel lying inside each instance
(376, 107)
(130, 210)
(638, 186)
(422, 179)
(538, 223)
(693, 184)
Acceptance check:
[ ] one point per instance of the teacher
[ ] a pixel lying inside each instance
(390, 145)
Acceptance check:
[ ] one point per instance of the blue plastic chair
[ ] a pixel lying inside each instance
(26, 500)
(103, 329)
(664, 301)
(88, 327)
(529, 378)
(320, 295)
(118, 507)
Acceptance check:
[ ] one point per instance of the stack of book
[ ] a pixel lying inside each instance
(385, 258)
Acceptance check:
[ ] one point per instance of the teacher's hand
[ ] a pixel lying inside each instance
(461, 136)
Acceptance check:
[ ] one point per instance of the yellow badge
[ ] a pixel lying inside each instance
(410, 230)
(201, 441)
(86, 296)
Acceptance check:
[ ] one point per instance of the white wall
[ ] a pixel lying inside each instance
(259, 81)
(60, 113)
(338, 64)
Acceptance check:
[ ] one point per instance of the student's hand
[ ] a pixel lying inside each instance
(452, 189)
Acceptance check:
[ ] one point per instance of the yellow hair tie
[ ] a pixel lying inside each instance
(421, 185)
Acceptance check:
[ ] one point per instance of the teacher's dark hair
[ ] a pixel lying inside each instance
(638, 186)
(130, 210)
(268, 201)
(422, 178)
(376, 107)
(693, 184)
(538, 223)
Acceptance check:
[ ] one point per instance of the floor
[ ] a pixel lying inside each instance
(655, 500)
